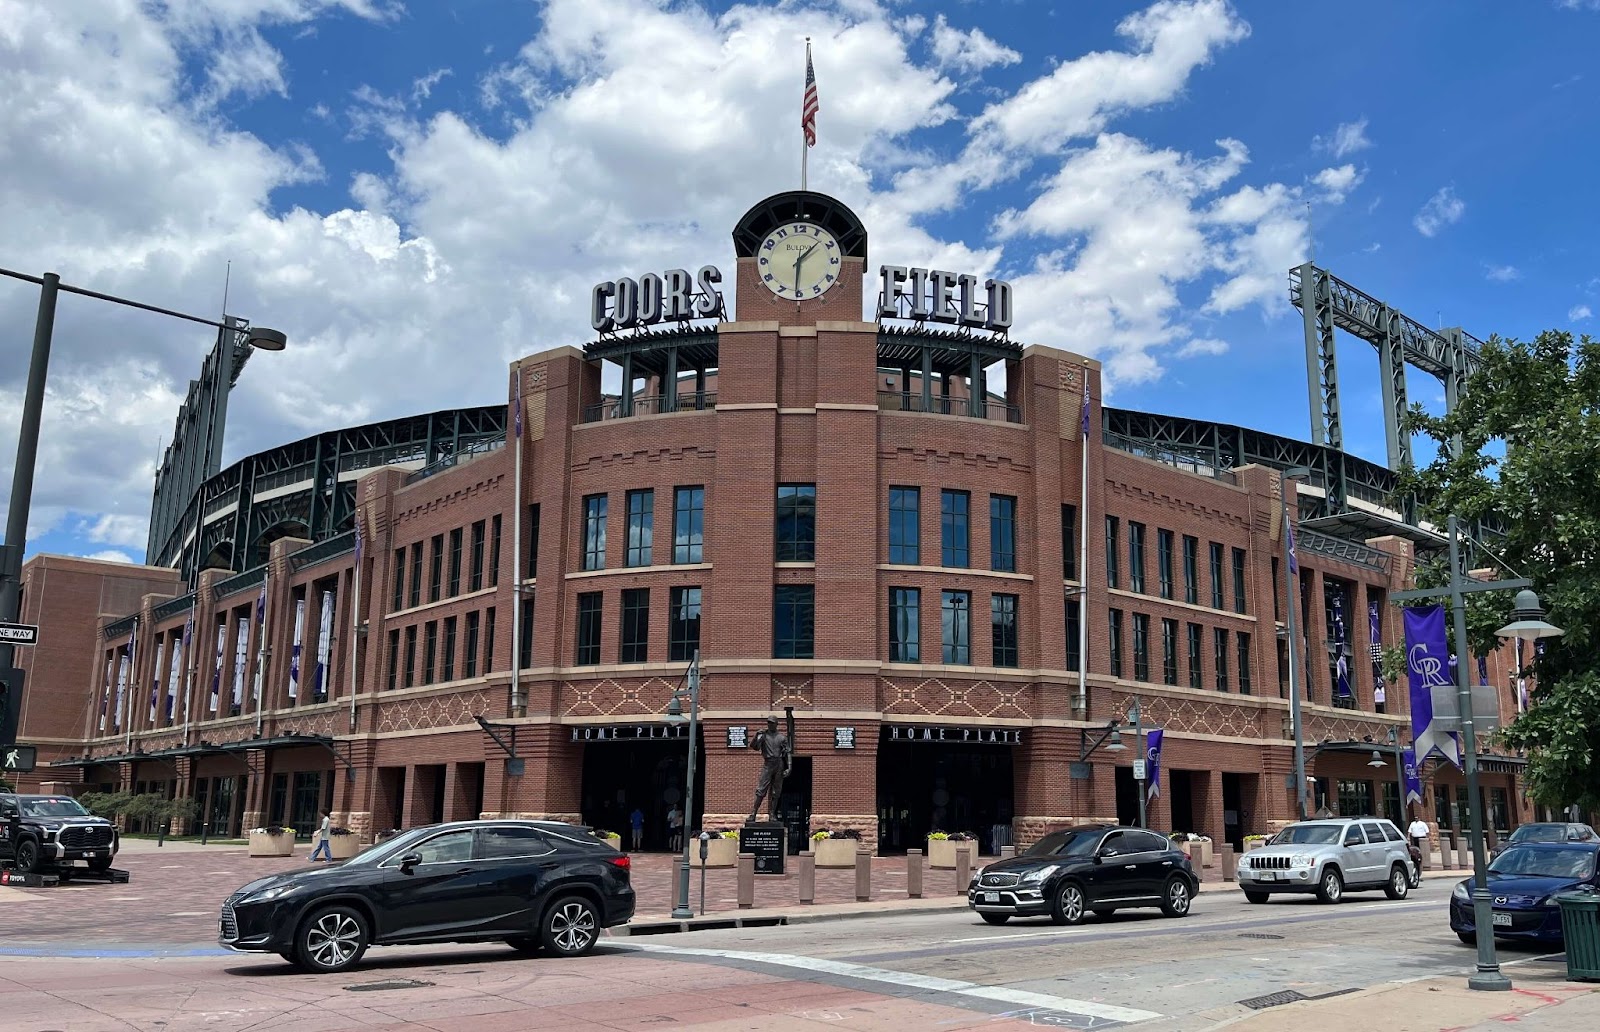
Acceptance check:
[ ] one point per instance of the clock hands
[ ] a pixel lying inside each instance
(803, 255)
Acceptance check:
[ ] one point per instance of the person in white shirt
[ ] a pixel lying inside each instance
(1418, 831)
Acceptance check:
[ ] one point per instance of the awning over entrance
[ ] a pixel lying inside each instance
(340, 751)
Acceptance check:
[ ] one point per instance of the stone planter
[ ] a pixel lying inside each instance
(1250, 844)
(835, 852)
(720, 852)
(1202, 853)
(942, 853)
(614, 841)
(262, 844)
(343, 847)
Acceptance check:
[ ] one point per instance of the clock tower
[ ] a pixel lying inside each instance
(802, 257)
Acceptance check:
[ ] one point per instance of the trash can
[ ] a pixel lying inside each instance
(1580, 930)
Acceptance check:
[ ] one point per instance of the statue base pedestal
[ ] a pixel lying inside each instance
(769, 841)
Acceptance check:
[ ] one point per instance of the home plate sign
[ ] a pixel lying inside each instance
(19, 634)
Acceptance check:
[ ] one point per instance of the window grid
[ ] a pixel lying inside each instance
(1238, 580)
(476, 581)
(594, 532)
(435, 567)
(1003, 617)
(1115, 635)
(411, 656)
(1196, 669)
(683, 628)
(955, 529)
(494, 550)
(455, 562)
(415, 598)
(905, 528)
(1003, 533)
(1216, 575)
(1069, 542)
(955, 627)
(797, 523)
(394, 659)
(469, 651)
(430, 650)
(1220, 656)
(533, 540)
(905, 625)
(793, 621)
(399, 580)
(588, 645)
(688, 524)
(1164, 562)
(634, 646)
(1191, 573)
(488, 640)
(1141, 647)
(525, 628)
(1136, 557)
(448, 658)
(1074, 618)
(641, 524)
(1169, 651)
(1242, 640)
(1112, 538)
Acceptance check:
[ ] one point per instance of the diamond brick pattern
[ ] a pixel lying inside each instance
(612, 697)
(1195, 716)
(432, 712)
(937, 697)
(792, 692)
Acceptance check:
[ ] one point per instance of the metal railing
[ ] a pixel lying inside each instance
(1199, 461)
(238, 582)
(650, 405)
(902, 401)
(1342, 549)
(173, 607)
(465, 452)
(323, 550)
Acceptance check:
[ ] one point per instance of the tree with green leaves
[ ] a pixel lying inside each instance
(1528, 461)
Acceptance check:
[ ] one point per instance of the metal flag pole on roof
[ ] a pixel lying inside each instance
(808, 115)
(518, 708)
(355, 618)
(1083, 556)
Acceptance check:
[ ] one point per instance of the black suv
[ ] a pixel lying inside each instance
(1087, 868)
(39, 831)
(530, 884)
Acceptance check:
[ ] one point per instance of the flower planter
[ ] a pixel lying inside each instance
(1201, 853)
(835, 852)
(343, 847)
(614, 841)
(942, 853)
(262, 844)
(720, 852)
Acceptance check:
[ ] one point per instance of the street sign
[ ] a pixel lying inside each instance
(18, 759)
(1447, 707)
(1138, 770)
(19, 634)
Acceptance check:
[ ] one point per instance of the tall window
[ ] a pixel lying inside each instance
(588, 651)
(494, 550)
(394, 659)
(1069, 542)
(1112, 538)
(905, 625)
(1220, 656)
(435, 567)
(594, 532)
(488, 640)
(1136, 557)
(399, 580)
(1196, 670)
(683, 624)
(411, 655)
(1115, 629)
(1074, 628)
(469, 648)
(447, 670)
(1242, 640)
(1216, 575)
(1141, 647)
(635, 643)
(455, 562)
(533, 540)
(797, 523)
(688, 524)
(430, 650)
(1164, 562)
(954, 531)
(1169, 652)
(955, 621)
(476, 582)
(1238, 580)
(525, 629)
(794, 620)
(641, 525)
(905, 530)
(1003, 615)
(1191, 575)
(1003, 533)
(416, 574)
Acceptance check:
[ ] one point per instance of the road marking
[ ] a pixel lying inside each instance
(999, 994)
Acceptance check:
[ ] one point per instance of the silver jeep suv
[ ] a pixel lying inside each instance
(1329, 857)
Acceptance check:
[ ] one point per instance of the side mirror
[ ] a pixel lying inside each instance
(409, 861)
(11, 813)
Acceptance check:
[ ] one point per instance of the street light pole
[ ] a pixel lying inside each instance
(1291, 605)
(1144, 759)
(1399, 778)
(681, 908)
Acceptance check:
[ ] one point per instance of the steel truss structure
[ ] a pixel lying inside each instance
(1327, 302)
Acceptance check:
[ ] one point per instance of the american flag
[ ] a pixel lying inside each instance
(808, 106)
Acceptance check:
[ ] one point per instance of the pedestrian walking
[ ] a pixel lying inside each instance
(636, 822)
(324, 844)
(674, 828)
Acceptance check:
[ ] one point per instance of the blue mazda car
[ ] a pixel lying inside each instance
(1524, 881)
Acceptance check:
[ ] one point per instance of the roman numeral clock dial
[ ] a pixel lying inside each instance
(799, 261)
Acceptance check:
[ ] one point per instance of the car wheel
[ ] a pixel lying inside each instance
(28, 856)
(1399, 883)
(1068, 907)
(1331, 888)
(100, 863)
(525, 944)
(1256, 897)
(1104, 912)
(1176, 898)
(1470, 938)
(996, 919)
(571, 927)
(332, 939)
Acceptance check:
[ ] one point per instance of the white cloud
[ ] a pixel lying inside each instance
(1502, 273)
(1346, 139)
(110, 555)
(967, 53)
(109, 529)
(1578, 313)
(1203, 346)
(1443, 209)
(1336, 183)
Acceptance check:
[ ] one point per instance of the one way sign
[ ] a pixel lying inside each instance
(18, 758)
(19, 634)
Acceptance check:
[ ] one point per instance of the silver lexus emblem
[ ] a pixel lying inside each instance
(1501, 900)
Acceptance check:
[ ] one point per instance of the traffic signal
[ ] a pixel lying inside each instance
(10, 705)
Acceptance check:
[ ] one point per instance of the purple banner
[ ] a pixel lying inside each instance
(1341, 680)
(1427, 652)
(1152, 765)
(1413, 775)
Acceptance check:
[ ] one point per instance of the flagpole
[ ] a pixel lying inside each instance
(518, 707)
(805, 147)
(1291, 603)
(355, 622)
(1083, 560)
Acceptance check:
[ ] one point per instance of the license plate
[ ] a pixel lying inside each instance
(1502, 920)
(991, 897)
(1268, 875)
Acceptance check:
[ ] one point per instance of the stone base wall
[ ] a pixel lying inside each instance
(1025, 831)
(358, 821)
(252, 820)
(865, 823)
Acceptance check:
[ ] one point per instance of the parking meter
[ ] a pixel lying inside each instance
(705, 851)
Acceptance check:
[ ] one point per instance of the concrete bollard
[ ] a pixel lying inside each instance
(1427, 855)
(747, 880)
(1229, 862)
(1007, 852)
(963, 867)
(808, 877)
(1463, 854)
(914, 874)
(863, 874)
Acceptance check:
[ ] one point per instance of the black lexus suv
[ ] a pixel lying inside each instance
(534, 885)
(40, 831)
(1086, 869)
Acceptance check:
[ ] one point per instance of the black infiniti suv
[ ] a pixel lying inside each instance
(1086, 869)
(40, 831)
(530, 884)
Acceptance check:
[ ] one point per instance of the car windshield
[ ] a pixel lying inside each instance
(53, 806)
(1308, 835)
(1065, 843)
(1575, 863)
(1540, 833)
(378, 850)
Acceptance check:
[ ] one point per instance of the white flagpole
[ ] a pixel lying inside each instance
(1083, 564)
(805, 145)
(518, 707)
(355, 630)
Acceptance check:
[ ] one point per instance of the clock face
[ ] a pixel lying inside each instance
(799, 260)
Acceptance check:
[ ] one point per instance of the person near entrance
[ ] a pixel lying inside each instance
(776, 760)
(324, 835)
(636, 822)
(1418, 830)
(674, 828)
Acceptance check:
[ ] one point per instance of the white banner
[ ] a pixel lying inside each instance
(172, 677)
(155, 678)
(105, 694)
(122, 692)
(216, 672)
(319, 684)
(294, 652)
(240, 652)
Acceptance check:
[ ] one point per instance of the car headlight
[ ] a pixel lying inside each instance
(1035, 877)
(1302, 861)
(1460, 892)
(276, 892)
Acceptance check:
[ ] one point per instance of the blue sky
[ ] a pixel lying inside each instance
(397, 185)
